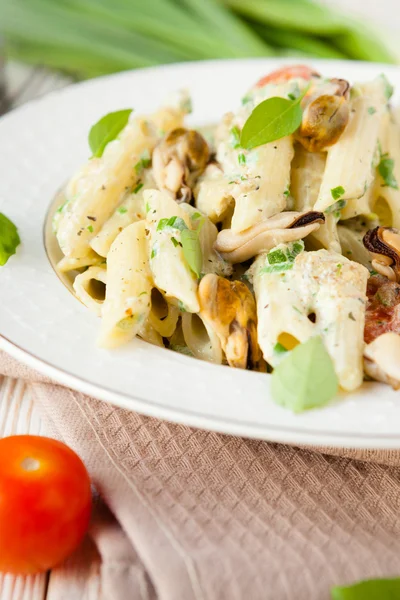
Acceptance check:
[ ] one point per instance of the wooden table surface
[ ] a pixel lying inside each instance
(78, 578)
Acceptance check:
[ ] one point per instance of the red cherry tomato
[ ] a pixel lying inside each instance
(287, 73)
(45, 503)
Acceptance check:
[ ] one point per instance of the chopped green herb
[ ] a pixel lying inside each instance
(336, 208)
(286, 193)
(154, 251)
(276, 256)
(90, 228)
(388, 88)
(339, 268)
(142, 293)
(371, 589)
(337, 192)
(143, 163)
(271, 120)
(282, 258)
(279, 349)
(291, 97)
(122, 210)
(247, 99)
(235, 135)
(181, 306)
(138, 188)
(175, 242)
(192, 250)
(371, 110)
(241, 159)
(305, 378)
(171, 223)
(9, 239)
(106, 130)
(385, 170)
(147, 207)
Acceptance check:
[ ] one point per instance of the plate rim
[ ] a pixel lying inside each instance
(272, 432)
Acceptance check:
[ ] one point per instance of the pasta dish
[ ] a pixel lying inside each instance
(269, 242)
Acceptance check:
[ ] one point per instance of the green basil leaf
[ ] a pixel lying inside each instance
(9, 239)
(305, 378)
(372, 589)
(106, 130)
(385, 169)
(271, 120)
(192, 250)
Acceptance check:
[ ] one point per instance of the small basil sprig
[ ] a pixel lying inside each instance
(9, 239)
(271, 120)
(305, 378)
(106, 130)
(371, 589)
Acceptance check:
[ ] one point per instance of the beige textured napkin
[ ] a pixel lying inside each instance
(203, 516)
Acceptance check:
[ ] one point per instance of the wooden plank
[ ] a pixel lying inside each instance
(23, 588)
(18, 415)
(78, 577)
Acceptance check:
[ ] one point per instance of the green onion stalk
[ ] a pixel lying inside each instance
(87, 38)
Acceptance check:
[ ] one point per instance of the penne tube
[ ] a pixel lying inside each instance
(323, 294)
(130, 210)
(129, 284)
(170, 270)
(349, 168)
(86, 290)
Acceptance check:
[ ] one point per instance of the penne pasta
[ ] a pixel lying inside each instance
(86, 290)
(129, 284)
(130, 210)
(170, 270)
(349, 163)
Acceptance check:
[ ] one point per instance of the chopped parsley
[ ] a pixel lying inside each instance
(171, 223)
(337, 192)
(154, 251)
(175, 242)
(246, 99)
(279, 349)
(90, 228)
(235, 136)
(371, 110)
(286, 193)
(122, 210)
(388, 88)
(143, 163)
(181, 306)
(385, 170)
(241, 159)
(147, 207)
(138, 188)
(336, 208)
(282, 258)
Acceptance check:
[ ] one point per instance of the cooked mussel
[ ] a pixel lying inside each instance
(280, 229)
(178, 160)
(383, 243)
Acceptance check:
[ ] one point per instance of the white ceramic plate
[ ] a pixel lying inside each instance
(42, 324)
